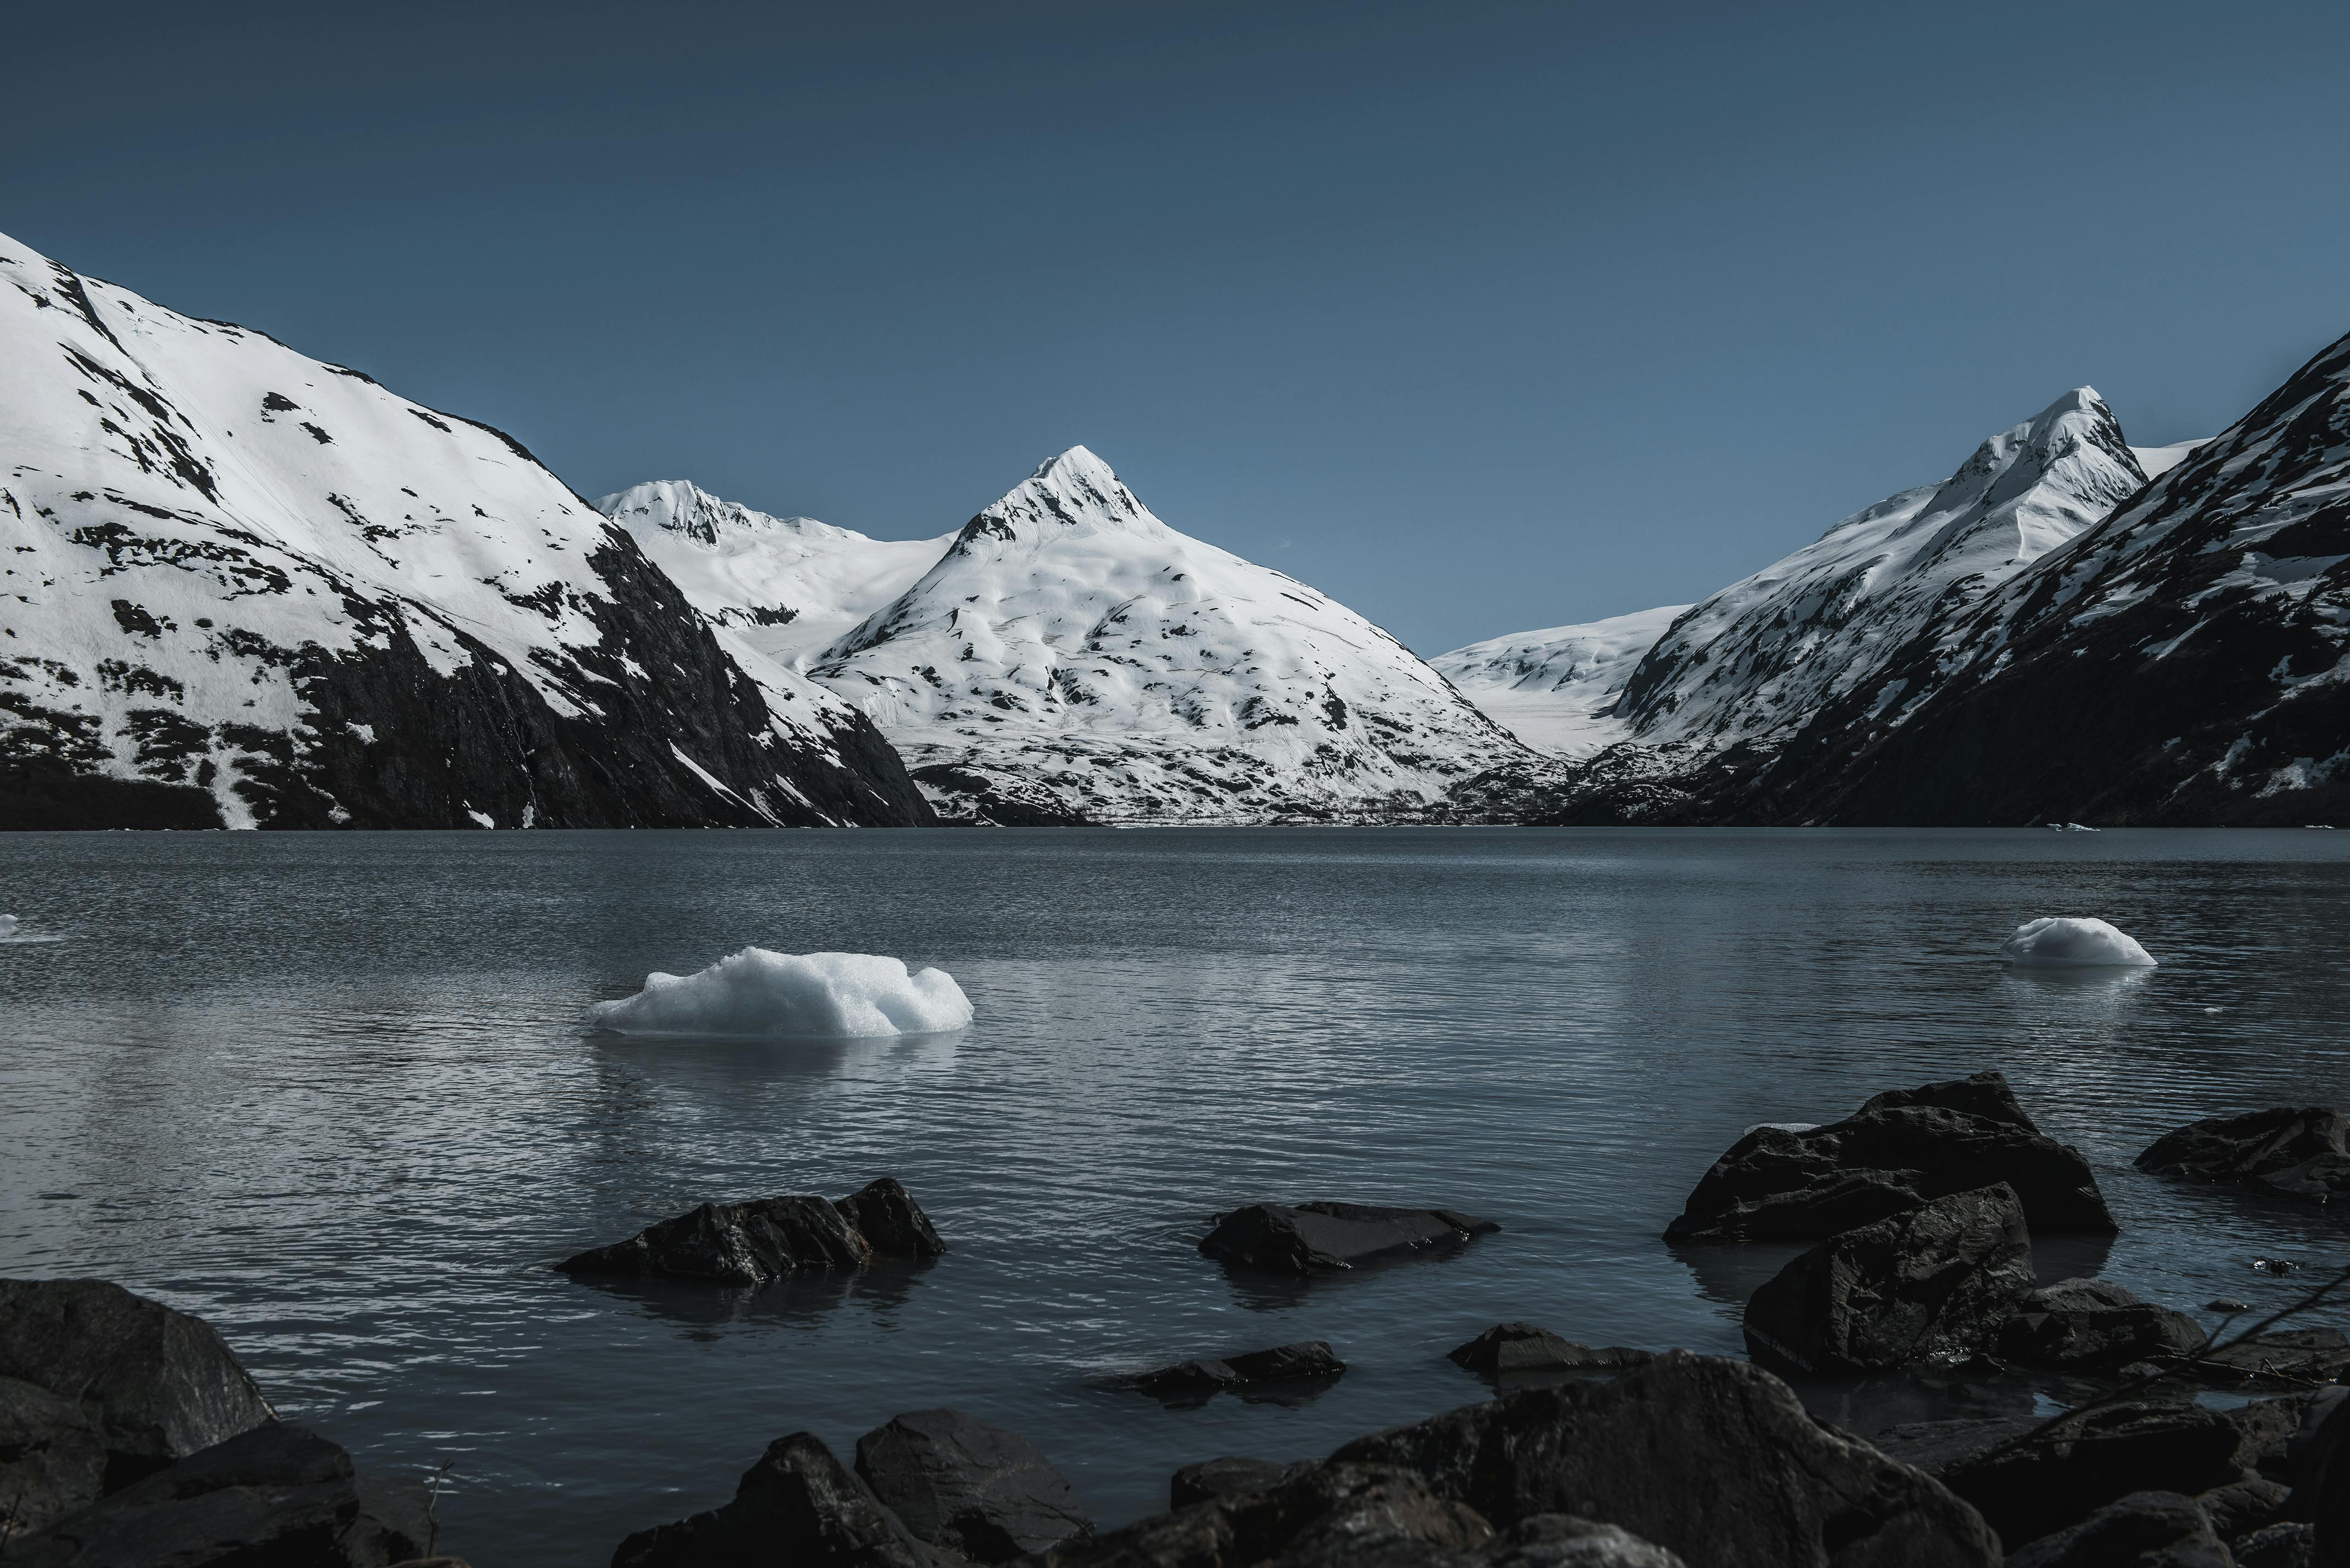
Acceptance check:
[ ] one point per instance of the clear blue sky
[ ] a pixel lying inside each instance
(1481, 316)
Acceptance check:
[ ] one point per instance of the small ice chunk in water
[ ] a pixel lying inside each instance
(8, 925)
(791, 996)
(2062, 942)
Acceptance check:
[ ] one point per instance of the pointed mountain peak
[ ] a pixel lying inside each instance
(1074, 489)
(681, 507)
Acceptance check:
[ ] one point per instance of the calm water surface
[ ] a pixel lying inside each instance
(333, 1093)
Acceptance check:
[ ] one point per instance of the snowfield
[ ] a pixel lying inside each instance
(1556, 689)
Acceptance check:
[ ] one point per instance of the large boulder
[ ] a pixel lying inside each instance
(762, 1240)
(1714, 1459)
(1934, 1281)
(2321, 1491)
(1522, 1347)
(2090, 1325)
(2300, 1152)
(799, 1505)
(2057, 1478)
(275, 1496)
(2287, 1545)
(968, 1487)
(2144, 1529)
(156, 1383)
(1336, 1515)
(1189, 1382)
(1312, 1237)
(1899, 1150)
(52, 1458)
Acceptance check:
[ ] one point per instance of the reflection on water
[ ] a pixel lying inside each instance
(336, 1093)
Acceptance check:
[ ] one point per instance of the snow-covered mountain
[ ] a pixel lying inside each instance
(787, 585)
(235, 570)
(1556, 689)
(1756, 661)
(1072, 658)
(2187, 660)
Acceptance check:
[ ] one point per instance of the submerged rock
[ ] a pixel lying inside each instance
(2144, 1529)
(2094, 1323)
(799, 1505)
(275, 1495)
(1715, 1459)
(157, 1384)
(759, 1242)
(1313, 1237)
(1937, 1281)
(1229, 1476)
(1307, 1360)
(1899, 1150)
(964, 1487)
(2300, 1152)
(1508, 1347)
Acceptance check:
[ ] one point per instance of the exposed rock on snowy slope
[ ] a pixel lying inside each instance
(2185, 661)
(787, 585)
(1756, 661)
(267, 588)
(1556, 689)
(1072, 658)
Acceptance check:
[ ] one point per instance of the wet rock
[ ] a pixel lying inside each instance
(2291, 1355)
(1937, 1281)
(2300, 1152)
(52, 1458)
(1508, 1347)
(799, 1505)
(395, 1522)
(762, 1240)
(1563, 1541)
(1313, 1237)
(891, 1222)
(961, 1485)
(157, 1384)
(2277, 1546)
(1715, 1459)
(1335, 1515)
(2094, 1323)
(277, 1495)
(1899, 1150)
(2242, 1506)
(2321, 1491)
(1307, 1360)
(2144, 1529)
(1230, 1476)
(2058, 1479)
(2265, 1432)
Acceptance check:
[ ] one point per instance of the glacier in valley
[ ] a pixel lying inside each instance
(772, 995)
(1556, 689)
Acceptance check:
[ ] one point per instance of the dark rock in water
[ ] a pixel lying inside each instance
(891, 1222)
(1509, 1347)
(1335, 1515)
(734, 1244)
(2057, 1480)
(2286, 1355)
(396, 1517)
(275, 1496)
(1563, 1541)
(1715, 1459)
(1984, 1095)
(2093, 1324)
(1936, 1281)
(1307, 1360)
(52, 1458)
(1318, 1236)
(2241, 1507)
(2302, 1152)
(2144, 1529)
(1774, 1183)
(159, 1385)
(1229, 1476)
(2277, 1546)
(799, 1505)
(967, 1488)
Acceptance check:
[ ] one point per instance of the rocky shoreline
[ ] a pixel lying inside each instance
(129, 1434)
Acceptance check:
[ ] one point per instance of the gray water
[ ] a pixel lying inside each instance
(333, 1093)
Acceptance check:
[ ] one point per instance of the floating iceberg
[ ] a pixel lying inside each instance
(791, 996)
(7, 926)
(2062, 942)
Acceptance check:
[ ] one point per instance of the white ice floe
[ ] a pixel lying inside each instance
(791, 996)
(2062, 942)
(8, 925)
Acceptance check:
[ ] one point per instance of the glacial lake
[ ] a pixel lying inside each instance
(335, 1094)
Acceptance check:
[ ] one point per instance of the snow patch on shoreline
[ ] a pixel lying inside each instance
(777, 995)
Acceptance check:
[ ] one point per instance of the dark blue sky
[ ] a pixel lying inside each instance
(1481, 316)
